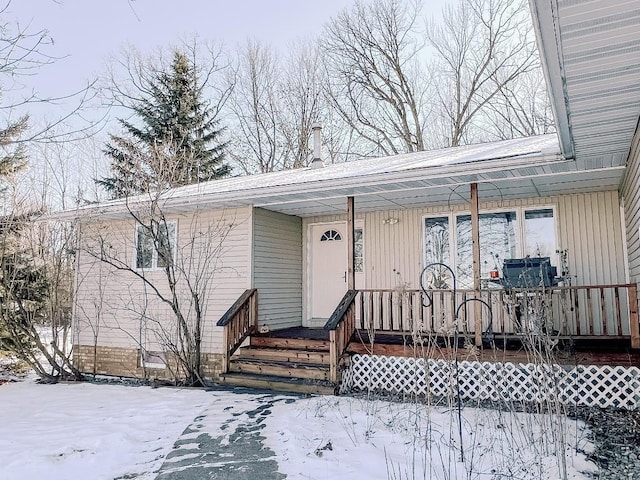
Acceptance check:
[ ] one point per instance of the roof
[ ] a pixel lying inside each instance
(524, 167)
(591, 55)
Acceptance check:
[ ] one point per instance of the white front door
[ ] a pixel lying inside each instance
(328, 270)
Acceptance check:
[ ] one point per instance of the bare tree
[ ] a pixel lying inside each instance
(171, 276)
(482, 48)
(521, 108)
(23, 53)
(35, 292)
(377, 82)
(274, 105)
(303, 101)
(255, 106)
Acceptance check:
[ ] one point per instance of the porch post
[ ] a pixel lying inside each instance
(475, 245)
(351, 271)
(634, 326)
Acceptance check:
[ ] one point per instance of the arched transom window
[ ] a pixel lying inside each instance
(331, 236)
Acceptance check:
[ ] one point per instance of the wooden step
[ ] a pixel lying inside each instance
(281, 384)
(285, 354)
(290, 343)
(300, 370)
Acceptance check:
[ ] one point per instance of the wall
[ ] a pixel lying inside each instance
(115, 309)
(125, 362)
(588, 225)
(277, 268)
(630, 192)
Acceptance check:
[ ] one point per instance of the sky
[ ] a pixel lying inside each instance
(84, 34)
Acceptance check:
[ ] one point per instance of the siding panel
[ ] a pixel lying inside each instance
(630, 191)
(277, 268)
(588, 226)
(113, 308)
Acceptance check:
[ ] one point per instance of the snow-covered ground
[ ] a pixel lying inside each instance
(80, 431)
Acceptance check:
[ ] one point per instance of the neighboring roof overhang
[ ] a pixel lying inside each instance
(590, 53)
(520, 168)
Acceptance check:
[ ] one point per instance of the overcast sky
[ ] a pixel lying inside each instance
(87, 32)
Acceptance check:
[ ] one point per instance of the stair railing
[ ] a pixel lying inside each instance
(341, 326)
(240, 321)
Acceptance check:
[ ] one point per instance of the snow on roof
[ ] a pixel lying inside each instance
(237, 190)
(375, 166)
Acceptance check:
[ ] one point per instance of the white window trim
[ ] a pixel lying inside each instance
(156, 365)
(154, 253)
(519, 226)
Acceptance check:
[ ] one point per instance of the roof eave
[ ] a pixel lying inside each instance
(388, 179)
(547, 29)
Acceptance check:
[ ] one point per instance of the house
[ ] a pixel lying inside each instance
(344, 246)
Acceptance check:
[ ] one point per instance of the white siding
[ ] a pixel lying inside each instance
(277, 268)
(631, 195)
(589, 227)
(114, 307)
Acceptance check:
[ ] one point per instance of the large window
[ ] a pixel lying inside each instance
(515, 233)
(155, 245)
(497, 242)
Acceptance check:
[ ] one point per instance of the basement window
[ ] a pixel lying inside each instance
(155, 245)
(153, 359)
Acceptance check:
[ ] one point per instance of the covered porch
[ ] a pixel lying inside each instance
(469, 210)
(583, 326)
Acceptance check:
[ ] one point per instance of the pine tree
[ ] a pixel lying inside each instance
(177, 142)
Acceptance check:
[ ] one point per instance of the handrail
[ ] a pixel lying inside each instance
(341, 326)
(587, 311)
(229, 314)
(338, 314)
(240, 321)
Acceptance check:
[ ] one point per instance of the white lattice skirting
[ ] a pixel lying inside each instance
(587, 385)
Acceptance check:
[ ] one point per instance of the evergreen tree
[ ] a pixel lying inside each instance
(177, 142)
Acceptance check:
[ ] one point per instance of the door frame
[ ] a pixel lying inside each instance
(308, 293)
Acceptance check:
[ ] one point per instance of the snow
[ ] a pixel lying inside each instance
(77, 431)
(376, 439)
(237, 190)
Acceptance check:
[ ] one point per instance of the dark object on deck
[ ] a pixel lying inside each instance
(529, 272)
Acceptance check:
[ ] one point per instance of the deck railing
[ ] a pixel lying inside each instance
(240, 321)
(583, 311)
(341, 326)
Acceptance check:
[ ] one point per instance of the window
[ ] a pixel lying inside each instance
(497, 242)
(358, 250)
(151, 359)
(331, 236)
(436, 240)
(155, 245)
(516, 233)
(437, 251)
(539, 233)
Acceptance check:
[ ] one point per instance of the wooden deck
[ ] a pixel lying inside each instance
(595, 325)
(581, 351)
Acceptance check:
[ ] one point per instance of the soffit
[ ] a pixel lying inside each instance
(591, 51)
